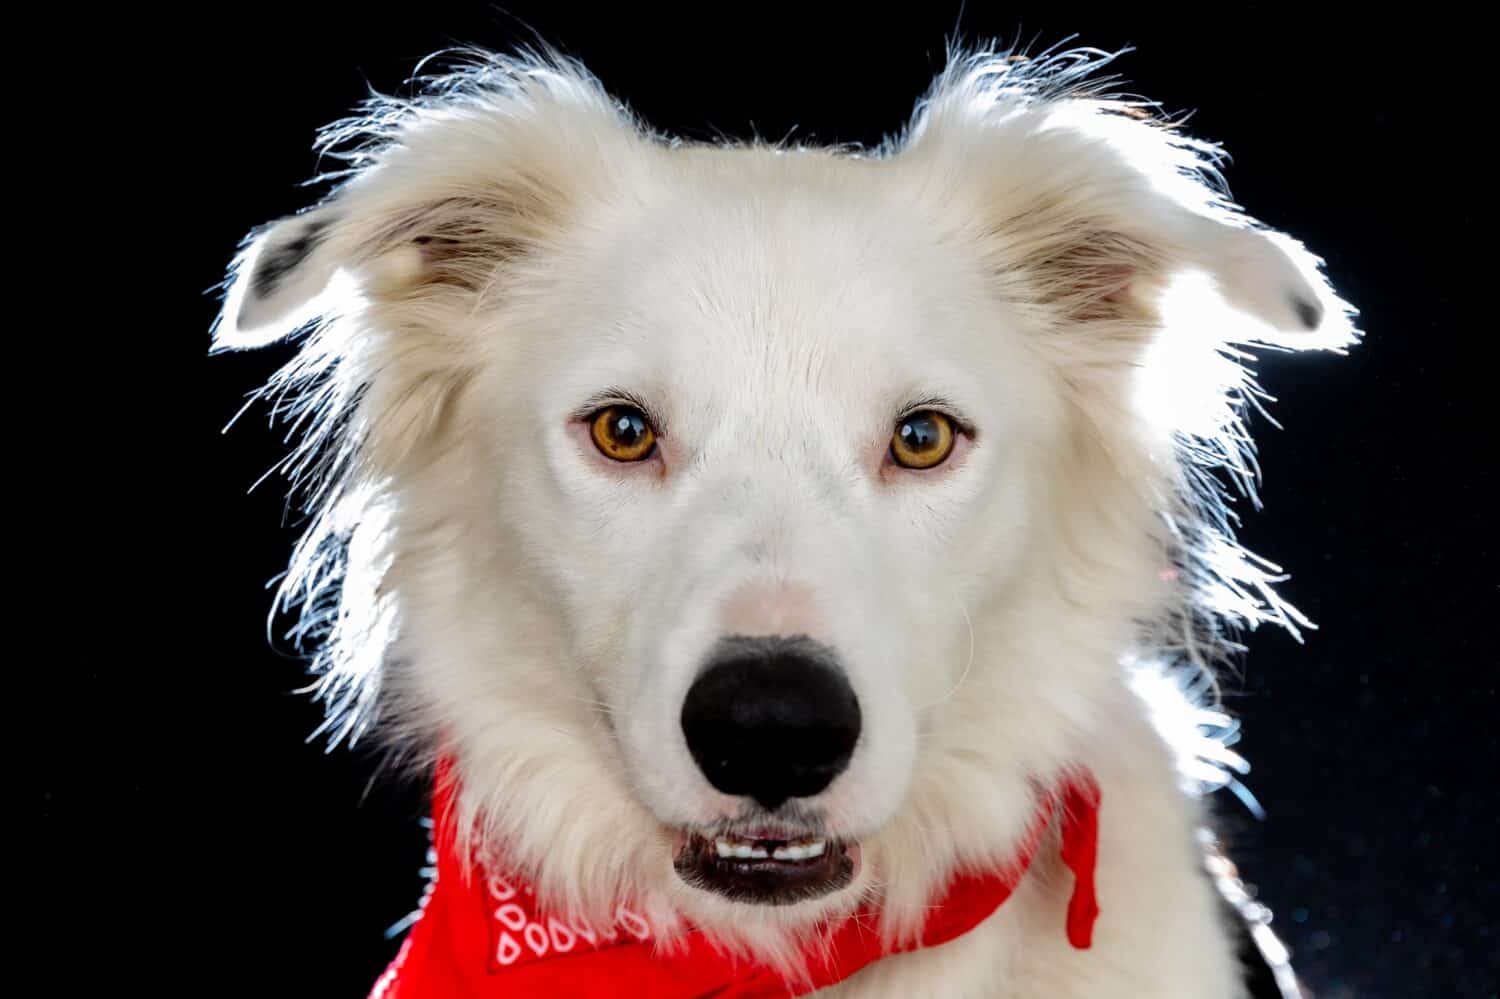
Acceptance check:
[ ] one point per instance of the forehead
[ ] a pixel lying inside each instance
(783, 270)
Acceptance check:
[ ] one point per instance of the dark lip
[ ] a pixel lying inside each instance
(764, 882)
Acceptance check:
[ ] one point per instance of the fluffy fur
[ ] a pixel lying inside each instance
(1061, 268)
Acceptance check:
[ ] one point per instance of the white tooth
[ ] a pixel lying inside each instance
(804, 850)
(722, 847)
(744, 851)
(759, 852)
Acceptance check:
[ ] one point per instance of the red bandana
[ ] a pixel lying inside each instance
(485, 937)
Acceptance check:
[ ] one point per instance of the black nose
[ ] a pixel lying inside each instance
(772, 718)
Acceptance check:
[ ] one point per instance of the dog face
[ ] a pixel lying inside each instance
(754, 525)
(766, 594)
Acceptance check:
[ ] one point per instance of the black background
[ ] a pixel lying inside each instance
(206, 849)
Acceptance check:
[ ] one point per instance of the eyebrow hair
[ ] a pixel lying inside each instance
(616, 396)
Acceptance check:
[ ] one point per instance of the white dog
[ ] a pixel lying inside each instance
(802, 566)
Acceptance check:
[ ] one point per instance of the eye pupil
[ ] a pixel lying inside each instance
(919, 434)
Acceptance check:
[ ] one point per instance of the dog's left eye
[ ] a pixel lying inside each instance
(622, 433)
(922, 440)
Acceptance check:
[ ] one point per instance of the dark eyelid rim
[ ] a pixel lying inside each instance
(936, 404)
(620, 397)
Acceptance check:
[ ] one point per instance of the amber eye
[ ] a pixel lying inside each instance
(622, 433)
(922, 440)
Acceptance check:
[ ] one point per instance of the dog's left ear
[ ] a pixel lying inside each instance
(1088, 208)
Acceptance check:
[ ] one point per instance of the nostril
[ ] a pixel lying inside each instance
(771, 717)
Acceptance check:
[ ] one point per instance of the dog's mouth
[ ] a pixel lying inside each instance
(766, 869)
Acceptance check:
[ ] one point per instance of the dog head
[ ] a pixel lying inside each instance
(755, 524)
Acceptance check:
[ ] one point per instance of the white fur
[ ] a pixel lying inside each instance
(1057, 265)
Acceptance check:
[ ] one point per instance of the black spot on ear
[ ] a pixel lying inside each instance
(1311, 313)
(283, 259)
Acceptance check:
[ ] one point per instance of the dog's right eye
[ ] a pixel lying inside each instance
(622, 433)
(923, 440)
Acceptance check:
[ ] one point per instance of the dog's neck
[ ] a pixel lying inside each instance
(482, 933)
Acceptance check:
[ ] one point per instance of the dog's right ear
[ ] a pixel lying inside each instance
(401, 232)
(450, 189)
(277, 279)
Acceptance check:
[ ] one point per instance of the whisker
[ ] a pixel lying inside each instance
(968, 666)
